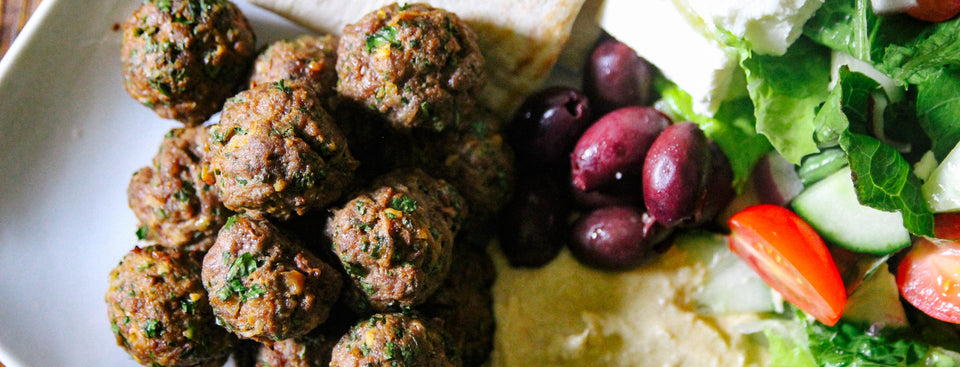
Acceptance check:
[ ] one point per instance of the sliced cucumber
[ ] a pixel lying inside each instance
(832, 208)
(942, 188)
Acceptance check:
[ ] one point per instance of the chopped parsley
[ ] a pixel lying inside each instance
(384, 36)
(152, 328)
(142, 233)
(242, 267)
(404, 204)
(230, 222)
(281, 85)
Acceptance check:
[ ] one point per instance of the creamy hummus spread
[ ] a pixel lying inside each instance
(565, 314)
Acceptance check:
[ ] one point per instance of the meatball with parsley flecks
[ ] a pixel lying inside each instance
(184, 58)
(463, 305)
(277, 151)
(393, 339)
(311, 350)
(419, 66)
(159, 312)
(476, 160)
(264, 286)
(174, 205)
(395, 240)
(307, 59)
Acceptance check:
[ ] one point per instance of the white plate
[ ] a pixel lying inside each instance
(70, 138)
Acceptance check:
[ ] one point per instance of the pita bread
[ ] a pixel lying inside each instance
(521, 39)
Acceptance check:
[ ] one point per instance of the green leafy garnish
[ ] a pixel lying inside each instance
(386, 35)
(152, 328)
(404, 204)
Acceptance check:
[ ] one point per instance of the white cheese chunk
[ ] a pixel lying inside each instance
(661, 33)
(770, 26)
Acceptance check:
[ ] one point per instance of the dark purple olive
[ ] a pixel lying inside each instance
(547, 125)
(675, 174)
(615, 146)
(532, 228)
(616, 77)
(616, 238)
(719, 190)
(622, 192)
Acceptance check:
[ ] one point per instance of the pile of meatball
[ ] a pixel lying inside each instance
(337, 210)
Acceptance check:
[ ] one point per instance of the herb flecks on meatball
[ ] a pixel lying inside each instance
(277, 151)
(159, 312)
(309, 60)
(392, 340)
(265, 287)
(184, 58)
(418, 65)
(174, 205)
(395, 240)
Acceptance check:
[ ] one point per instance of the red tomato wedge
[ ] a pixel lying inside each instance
(935, 10)
(929, 274)
(791, 258)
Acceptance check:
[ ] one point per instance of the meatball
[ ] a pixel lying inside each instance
(264, 286)
(311, 350)
(476, 161)
(184, 58)
(174, 205)
(392, 340)
(418, 65)
(308, 59)
(463, 305)
(396, 240)
(276, 150)
(159, 312)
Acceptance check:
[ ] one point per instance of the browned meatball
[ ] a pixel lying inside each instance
(392, 340)
(476, 161)
(264, 286)
(463, 305)
(174, 205)
(418, 65)
(184, 58)
(159, 312)
(276, 150)
(395, 240)
(308, 59)
(311, 350)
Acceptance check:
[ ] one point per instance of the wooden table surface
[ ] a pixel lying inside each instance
(13, 16)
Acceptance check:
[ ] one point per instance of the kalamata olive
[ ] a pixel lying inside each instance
(675, 174)
(616, 77)
(547, 125)
(622, 192)
(532, 226)
(616, 238)
(719, 189)
(615, 146)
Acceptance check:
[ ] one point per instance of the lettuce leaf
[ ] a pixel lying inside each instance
(786, 92)
(804, 342)
(938, 107)
(881, 176)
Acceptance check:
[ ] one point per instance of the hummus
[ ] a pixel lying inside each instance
(565, 314)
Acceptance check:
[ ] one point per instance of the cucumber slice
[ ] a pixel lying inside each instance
(942, 188)
(832, 208)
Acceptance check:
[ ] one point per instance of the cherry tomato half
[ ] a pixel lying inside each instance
(935, 10)
(791, 258)
(929, 274)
